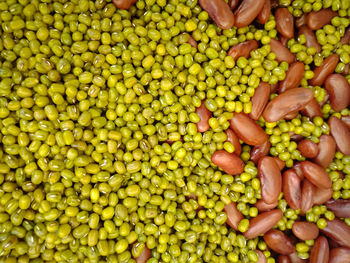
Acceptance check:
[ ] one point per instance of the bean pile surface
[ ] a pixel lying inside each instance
(174, 131)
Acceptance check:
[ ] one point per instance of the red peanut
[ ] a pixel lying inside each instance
(305, 230)
(263, 207)
(292, 188)
(312, 109)
(310, 38)
(219, 11)
(232, 138)
(320, 251)
(124, 4)
(316, 20)
(341, 134)
(260, 151)
(308, 148)
(339, 91)
(233, 215)
(316, 174)
(282, 53)
(145, 255)
(259, 100)
(229, 162)
(279, 242)
(322, 72)
(307, 191)
(204, 116)
(247, 11)
(294, 75)
(243, 49)
(284, 22)
(340, 207)
(338, 231)
(265, 12)
(339, 255)
(326, 151)
(320, 196)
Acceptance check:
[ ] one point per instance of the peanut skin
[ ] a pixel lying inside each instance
(219, 11)
(284, 22)
(247, 11)
(229, 162)
(341, 134)
(320, 251)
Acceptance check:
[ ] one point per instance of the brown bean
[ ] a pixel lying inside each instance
(311, 40)
(325, 100)
(274, 88)
(265, 12)
(259, 151)
(338, 231)
(279, 242)
(281, 164)
(320, 251)
(282, 53)
(305, 230)
(295, 137)
(317, 20)
(261, 256)
(297, 168)
(262, 223)
(284, 40)
(294, 258)
(341, 134)
(322, 72)
(192, 42)
(316, 174)
(346, 70)
(321, 196)
(339, 255)
(284, 22)
(124, 4)
(204, 116)
(326, 151)
(339, 91)
(232, 138)
(307, 191)
(294, 75)
(283, 259)
(345, 40)
(291, 115)
(270, 179)
(340, 207)
(263, 207)
(229, 162)
(233, 215)
(259, 100)
(291, 188)
(145, 255)
(287, 102)
(233, 4)
(243, 49)
(346, 120)
(247, 11)
(219, 12)
(308, 148)
(312, 109)
(247, 129)
(301, 20)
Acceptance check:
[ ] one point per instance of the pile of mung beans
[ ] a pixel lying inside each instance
(174, 131)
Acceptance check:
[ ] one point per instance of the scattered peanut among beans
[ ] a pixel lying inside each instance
(175, 131)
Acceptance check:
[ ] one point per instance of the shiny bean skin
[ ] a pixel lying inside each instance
(307, 191)
(229, 162)
(265, 12)
(295, 137)
(311, 40)
(281, 164)
(291, 116)
(308, 148)
(339, 255)
(259, 100)
(263, 207)
(339, 91)
(219, 12)
(283, 259)
(243, 49)
(247, 11)
(317, 20)
(232, 138)
(320, 251)
(305, 230)
(284, 22)
(312, 109)
(192, 42)
(291, 188)
(340, 207)
(316, 174)
(247, 129)
(322, 72)
(261, 256)
(233, 4)
(282, 53)
(287, 102)
(124, 4)
(270, 179)
(338, 231)
(300, 21)
(294, 75)
(284, 40)
(345, 40)
(294, 258)
(204, 116)
(233, 215)
(262, 223)
(279, 242)
(321, 196)
(297, 168)
(259, 151)
(341, 134)
(326, 151)
(346, 120)
(144, 257)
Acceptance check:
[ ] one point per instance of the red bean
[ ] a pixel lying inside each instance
(316, 20)
(279, 242)
(345, 40)
(297, 168)
(320, 251)
(321, 196)
(192, 42)
(145, 255)
(308, 148)
(229, 162)
(341, 134)
(259, 151)
(294, 75)
(259, 100)
(263, 207)
(339, 91)
(281, 164)
(262, 223)
(322, 72)
(287, 102)
(261, 256)
(232, 138)
(270, 179)
(282, 53)
(326, 151)
(300, 21)
(339, 255)
(294, 258)
(284, 40)
(274, 88)
(233, 4)
(340, 207)
(312, 109)
(291, 115)
(124, 4)
(247, 129)
(346, 120)
(338, 231)
(243, 49)
(283, 259)
(307, 191)
(233, 215)
(284, 22)
(305, 230)
(311, 40)
(219, 11)
(265, 12)
(204, 116)
(316, 174)
(292, 188)
(247, 11)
